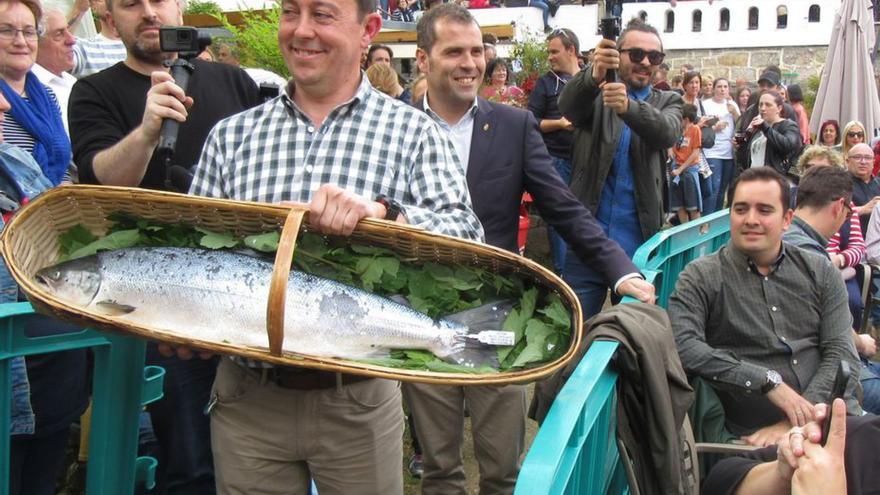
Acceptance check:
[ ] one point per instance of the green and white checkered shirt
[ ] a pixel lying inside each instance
(369, 145)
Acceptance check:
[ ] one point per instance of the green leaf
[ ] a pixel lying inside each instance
(116, 240)
(371, 250)
(213, 240)
(557, 313)
(75, 238)
(538, 330)
(444, 367)
(267, 243)
(533, 352)
(372, 270)
(419, 356)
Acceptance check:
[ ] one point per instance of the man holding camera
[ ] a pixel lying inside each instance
(115, 119)
(622, 131)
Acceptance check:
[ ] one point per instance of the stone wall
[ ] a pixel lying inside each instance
(797, 63)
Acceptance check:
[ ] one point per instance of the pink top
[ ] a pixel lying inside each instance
(855, 252)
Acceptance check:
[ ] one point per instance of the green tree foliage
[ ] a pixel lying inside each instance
(208, 7)
(257, 40)
(531, 53)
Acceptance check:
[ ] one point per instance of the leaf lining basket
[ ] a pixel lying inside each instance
(30, 242)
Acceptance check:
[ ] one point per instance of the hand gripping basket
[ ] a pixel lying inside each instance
(30, 242)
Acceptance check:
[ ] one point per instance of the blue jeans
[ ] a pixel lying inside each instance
(557, 244)
(713, 186)
(724, 169)
(183, 431)
(588, 284)
(871, 387)
(545, 10)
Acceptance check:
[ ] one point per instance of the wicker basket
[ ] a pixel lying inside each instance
(30, 242)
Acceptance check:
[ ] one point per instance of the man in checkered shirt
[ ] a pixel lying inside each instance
(334, 142)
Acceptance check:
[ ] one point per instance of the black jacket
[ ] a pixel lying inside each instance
(508, 157)
(656, 127)
(784, 142)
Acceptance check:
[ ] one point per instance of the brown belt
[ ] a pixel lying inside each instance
(304, 379)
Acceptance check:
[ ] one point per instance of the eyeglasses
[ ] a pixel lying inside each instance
(8, 32)
(861, 158)
(855, 134)
(636, 55)
(848, 206)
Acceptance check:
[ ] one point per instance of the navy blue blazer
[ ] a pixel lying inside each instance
(508, 157)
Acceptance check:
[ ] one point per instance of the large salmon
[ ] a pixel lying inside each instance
(221, 296)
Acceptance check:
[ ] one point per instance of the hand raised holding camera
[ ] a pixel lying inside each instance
(605, 57)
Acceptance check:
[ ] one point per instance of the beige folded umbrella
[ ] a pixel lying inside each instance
(847, 90)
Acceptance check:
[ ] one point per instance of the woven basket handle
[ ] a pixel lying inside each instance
(280, 277)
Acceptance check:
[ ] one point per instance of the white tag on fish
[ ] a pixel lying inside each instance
(494, 337)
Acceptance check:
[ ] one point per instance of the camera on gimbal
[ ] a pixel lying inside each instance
(186, 41)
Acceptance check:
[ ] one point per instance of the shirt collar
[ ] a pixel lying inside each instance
(740, 258)
(45, 74)
(363, 93)
(471, 111)
(810, 231)
(641, 94)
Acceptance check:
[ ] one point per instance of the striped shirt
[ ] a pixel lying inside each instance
(855, 250)
(96, 54)
(16, 135)
(369, 145)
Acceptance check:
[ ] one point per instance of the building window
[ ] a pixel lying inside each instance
(781, 17)
(670, 21)
(753, 18)
(815, 13)
(724, 22)
(697, 21)
(643, 16)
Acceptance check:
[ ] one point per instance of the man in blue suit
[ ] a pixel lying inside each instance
(503, 154)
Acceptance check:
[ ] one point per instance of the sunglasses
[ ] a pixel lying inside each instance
(561, 33)
(855, 134)
(636, 55)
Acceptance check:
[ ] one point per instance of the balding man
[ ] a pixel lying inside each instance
(55, 58)
(866, 188)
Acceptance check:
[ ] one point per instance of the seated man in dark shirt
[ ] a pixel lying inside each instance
(800, 464)
(761, 321)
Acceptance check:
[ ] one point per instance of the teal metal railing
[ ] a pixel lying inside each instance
(120, 390)
(575, 450)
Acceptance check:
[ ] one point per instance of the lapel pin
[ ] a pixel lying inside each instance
(485, 127)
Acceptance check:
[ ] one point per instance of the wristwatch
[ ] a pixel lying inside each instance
(392, 207)
(774, 379)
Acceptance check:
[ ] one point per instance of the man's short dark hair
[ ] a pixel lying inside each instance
(821, 186)
(637, 24)
(426, 31)
(377, 46)
(567, 37)
(689, 112)
(765, 174)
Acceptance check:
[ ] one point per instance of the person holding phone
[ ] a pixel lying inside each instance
(720, 156)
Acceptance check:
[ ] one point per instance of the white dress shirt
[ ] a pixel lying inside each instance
(61, 85)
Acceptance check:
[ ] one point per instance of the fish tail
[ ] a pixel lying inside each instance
(469, 351)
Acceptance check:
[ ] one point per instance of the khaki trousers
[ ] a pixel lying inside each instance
(498, 416)
(270, 440)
